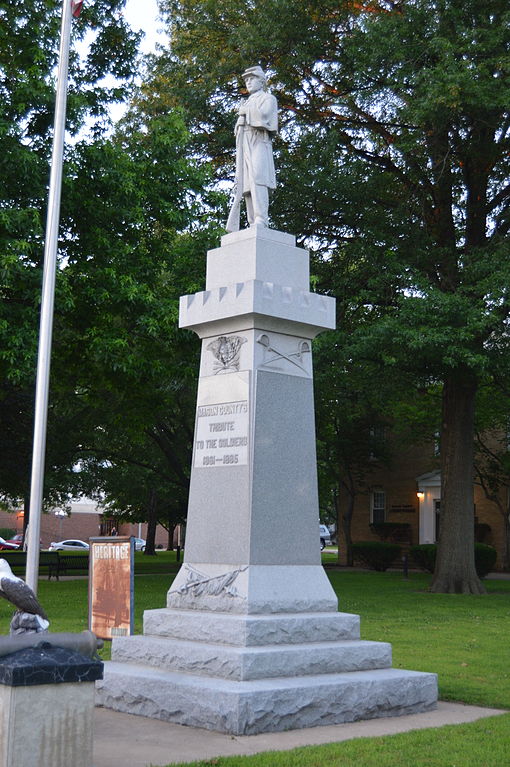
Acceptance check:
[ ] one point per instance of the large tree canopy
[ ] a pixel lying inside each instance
(394, 160)
(120, 390)
(29, 44)
(128, 372)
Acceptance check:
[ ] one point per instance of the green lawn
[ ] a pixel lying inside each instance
(66, 603)
(485, 743)
(463, 638)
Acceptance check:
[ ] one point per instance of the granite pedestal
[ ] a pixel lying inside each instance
(250, 640)
(47, 707)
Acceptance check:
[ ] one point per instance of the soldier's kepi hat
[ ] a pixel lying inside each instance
(254, 72)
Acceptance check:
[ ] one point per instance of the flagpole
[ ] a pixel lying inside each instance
(47, 302)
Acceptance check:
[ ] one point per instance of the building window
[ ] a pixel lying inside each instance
(377, 440)
(377, 507)
(107, 526)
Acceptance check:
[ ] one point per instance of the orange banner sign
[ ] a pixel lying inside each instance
(111, 586)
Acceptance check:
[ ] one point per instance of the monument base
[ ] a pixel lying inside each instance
(245, 674)
(269, 705)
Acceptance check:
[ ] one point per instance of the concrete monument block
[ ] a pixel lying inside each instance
(47, 697)
(53, 726)
(258, 253)
(265, 305)
(251, 630)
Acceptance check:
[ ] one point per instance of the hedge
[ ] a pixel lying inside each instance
(424, 556)
(375, 554)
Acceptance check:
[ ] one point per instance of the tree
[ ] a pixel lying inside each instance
(126, 369)
(403, 106)
(29, 42)
(351, 418)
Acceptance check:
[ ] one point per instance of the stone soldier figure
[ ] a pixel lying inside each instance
(255, 176)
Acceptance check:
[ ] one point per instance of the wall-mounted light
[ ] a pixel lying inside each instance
(420, 495)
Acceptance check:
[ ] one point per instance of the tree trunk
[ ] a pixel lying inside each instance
(346, 526)
(152, 521)
(455, 563)
(26, 518)
(171, 533)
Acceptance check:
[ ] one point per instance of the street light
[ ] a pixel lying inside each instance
(60, 513)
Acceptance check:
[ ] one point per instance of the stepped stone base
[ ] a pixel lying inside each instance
(244, 674)
(269, 705)
(244, 664)
(251, 630)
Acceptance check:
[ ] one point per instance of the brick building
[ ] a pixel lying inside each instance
(408, 493)
(86, 520)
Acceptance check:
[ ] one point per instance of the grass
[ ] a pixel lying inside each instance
(485, 743)
(463, 638)
(329, 557)
(162, 562)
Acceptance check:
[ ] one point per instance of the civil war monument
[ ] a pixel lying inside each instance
(251, 639)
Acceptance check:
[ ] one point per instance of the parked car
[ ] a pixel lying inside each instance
(325, 536)
(69, 545)
(16, 540)
(7, 546)
(139, 544)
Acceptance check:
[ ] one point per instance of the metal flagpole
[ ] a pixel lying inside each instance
(47, 301)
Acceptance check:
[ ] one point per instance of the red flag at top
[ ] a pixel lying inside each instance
(76, 7)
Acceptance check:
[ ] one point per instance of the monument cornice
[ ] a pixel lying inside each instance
(259, 304)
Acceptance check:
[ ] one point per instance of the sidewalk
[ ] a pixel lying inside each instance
(123, 740)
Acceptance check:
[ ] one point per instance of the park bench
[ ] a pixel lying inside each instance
(68, 562)
(54, 563)
(48, 562)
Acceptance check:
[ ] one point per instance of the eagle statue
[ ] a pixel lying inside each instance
(29, 616)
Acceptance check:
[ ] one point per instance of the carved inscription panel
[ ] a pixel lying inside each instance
(222, 434)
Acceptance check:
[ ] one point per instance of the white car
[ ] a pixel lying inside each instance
(70, 545)
(325, 536)
(139, 544)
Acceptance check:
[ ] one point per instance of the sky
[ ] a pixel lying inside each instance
(142, 14)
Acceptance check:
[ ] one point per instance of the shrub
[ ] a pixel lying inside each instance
(385, 530)
(482, 531)
(485, 559)
(375, 554)
(424, 556)
(7, 533)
